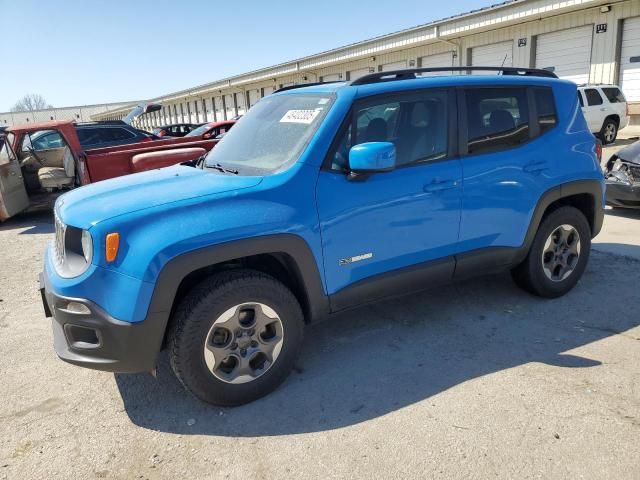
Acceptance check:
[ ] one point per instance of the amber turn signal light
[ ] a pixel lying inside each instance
(112, 245)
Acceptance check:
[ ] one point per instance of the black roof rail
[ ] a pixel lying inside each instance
(302, 85)
(410, 73)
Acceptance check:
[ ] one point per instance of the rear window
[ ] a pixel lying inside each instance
(97, 136)
(614, 95)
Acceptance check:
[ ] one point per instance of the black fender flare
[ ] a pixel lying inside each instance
(591, 187)
(177, 269)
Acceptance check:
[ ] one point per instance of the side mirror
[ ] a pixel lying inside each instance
(371, 157)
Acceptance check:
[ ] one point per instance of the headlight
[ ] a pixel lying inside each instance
(87, 246)
(73, 250)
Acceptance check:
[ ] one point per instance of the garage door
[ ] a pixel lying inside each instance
(494, 55)
(439, 60)
(254, 96)
(268, 90)
(567, 53)
(387, 67)
(228, 100)
(240, 102)
(332, 77)
(630, 59)
(361, 72)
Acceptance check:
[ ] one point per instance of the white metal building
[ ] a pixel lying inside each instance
(587, 41)
(82, 113)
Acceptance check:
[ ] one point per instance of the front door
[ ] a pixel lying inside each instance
(377, 228)
(13, 193)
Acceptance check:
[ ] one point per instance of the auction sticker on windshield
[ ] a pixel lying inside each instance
(300, 116)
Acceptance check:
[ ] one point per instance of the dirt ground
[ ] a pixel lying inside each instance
(477, 380)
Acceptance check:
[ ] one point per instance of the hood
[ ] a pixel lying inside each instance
(631, 153)
(140, 110)
(91, 204)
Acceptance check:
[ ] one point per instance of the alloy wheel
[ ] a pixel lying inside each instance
(243, 343)
(610, 133)
(561, 253)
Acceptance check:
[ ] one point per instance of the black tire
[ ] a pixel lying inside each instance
(530, 275)
(199, 310)
(609, 131)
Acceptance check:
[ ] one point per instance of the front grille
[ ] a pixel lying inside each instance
(58, 245)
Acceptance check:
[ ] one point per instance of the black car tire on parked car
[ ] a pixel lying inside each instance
(558, 255)
(256, 352)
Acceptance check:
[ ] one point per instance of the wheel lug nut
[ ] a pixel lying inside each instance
(243, 352)
(254, 343)
(234, 346)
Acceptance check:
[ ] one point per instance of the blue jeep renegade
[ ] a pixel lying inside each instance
(323, 198)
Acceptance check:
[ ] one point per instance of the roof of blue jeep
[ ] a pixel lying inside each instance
(427, 81)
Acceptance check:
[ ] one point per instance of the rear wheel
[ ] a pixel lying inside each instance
(235, 337)
(558, 255)
(609, 131)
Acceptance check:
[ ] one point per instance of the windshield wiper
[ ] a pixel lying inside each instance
(222, 169)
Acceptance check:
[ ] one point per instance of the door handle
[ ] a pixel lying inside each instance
(437, 185)
(536, 167)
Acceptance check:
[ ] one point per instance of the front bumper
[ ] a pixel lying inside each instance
(92, 338)
(623, 195)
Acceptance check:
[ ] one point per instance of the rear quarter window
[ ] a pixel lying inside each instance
(546, 109)
(614, 95)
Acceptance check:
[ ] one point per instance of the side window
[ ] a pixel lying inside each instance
(580, 100)
(26, 144)
(118, 134)
(593, 97)
(46, 140)
(545, 105)
(614, 95)
(415, 123)
(497, 118)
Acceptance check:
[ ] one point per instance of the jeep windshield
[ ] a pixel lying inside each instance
(271, 136)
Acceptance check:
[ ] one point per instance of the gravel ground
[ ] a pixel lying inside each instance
(477, 380)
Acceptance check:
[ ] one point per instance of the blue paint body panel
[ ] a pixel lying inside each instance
(396, 216)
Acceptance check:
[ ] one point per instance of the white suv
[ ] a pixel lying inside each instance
(605, 108)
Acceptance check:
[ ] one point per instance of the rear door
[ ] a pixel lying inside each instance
(13, 193)
(594, 109)
(505, 164)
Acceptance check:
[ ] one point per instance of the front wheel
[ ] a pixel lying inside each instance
(609, 131)
(235, 337)
(558, 255)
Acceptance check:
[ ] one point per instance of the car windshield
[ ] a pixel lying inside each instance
(272, 135)
(198, 131)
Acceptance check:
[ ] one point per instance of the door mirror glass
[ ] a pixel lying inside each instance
(372, 157)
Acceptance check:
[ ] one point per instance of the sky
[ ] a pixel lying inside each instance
(76, 52)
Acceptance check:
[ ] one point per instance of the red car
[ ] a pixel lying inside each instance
(211, 129)
(33, 174)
